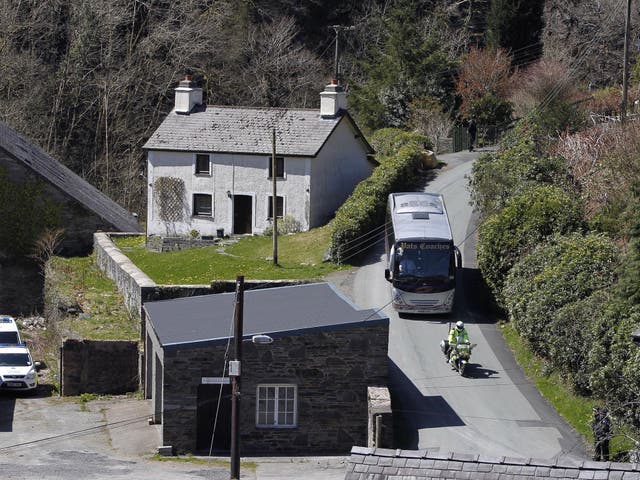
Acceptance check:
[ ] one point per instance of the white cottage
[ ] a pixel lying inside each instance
(209, 167)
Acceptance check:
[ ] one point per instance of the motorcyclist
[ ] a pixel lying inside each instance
(458, 334)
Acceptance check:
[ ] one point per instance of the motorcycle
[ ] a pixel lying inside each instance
(458, 355)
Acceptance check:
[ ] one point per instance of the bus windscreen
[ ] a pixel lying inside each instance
(426, 263)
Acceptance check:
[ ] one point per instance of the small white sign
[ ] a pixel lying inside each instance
(215, 380)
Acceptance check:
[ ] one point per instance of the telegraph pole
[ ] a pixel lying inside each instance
(234, 373)
(625, 69)
(274, 198)
(338, 29)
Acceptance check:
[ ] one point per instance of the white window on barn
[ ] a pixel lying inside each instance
(279, 207)
(276, 406)
(202, 204)
(203, 164)
(279, 167)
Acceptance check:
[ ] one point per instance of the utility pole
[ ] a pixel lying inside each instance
(625, 69)
(234, 373)
(338, 29)
(274, 198)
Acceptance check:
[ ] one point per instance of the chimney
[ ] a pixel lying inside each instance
(332, 100)
(187, 96)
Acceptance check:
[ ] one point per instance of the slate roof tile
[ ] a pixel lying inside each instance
(299, 132)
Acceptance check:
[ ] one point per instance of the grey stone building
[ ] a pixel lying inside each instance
(83, 210)
(305, 393)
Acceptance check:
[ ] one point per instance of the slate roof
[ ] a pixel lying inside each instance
(278, 312)
(65, 180)
(299, 132)
(384, 464)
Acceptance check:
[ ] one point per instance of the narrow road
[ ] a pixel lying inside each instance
(495, 410)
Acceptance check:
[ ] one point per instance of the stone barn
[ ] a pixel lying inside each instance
(304, 393)
(77, 208)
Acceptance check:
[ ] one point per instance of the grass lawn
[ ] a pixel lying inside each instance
(104, 315)
(299, 256)
(575, 409)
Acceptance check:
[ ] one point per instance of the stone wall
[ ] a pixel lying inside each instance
(102, 367)
(157, 243)
(380, 424)
(331, 369)
(116, 265)
(21, 286)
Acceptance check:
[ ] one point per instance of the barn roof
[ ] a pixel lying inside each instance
(53, 172)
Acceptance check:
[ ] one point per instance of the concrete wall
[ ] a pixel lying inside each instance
(340, 166)
(103, 367)
(332, 371)
(235, 173)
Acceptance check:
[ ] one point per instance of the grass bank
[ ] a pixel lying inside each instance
(299, 256)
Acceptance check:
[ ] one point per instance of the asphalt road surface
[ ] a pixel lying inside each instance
(493, 411)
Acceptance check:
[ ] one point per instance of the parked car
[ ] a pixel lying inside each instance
(9, 334)
(18, 371)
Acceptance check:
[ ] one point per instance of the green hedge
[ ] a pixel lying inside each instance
(518, 164)
(554, 275)
(357, 224)
(525, 221)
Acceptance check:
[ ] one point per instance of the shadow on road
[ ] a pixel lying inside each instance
(475, 370)
(413, 411)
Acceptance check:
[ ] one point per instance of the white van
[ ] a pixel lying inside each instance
(9, 334)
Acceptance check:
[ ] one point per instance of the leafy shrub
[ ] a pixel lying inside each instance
(357, 223)
(491, 110)
(573, 331)
(286, 225)
(524, 222)
(387, 142)
(519, 163)
(565, 270)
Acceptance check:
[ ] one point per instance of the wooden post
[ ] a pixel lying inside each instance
(234, 373)
(274, 198)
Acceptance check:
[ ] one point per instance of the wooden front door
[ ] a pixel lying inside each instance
(242, 214)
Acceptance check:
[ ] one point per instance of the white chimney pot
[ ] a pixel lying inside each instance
(187, 96)
(332, 100)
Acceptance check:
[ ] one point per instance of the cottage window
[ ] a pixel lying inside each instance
(202, 204)
(276, 406)
(203, 164)
(279, 207)
(279, 167)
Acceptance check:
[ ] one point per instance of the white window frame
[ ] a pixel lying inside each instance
(196, 214)
(284, 168)
(277, 393)
(284, 210)
(203, 172)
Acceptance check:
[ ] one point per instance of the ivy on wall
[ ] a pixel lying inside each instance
(25, 214)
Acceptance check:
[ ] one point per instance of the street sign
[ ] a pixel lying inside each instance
(215, 380)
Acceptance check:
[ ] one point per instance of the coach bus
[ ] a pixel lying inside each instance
(421, 257)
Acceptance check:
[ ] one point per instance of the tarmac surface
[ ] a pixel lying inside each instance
(61, 438)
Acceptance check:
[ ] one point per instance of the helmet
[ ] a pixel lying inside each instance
(459, 325)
